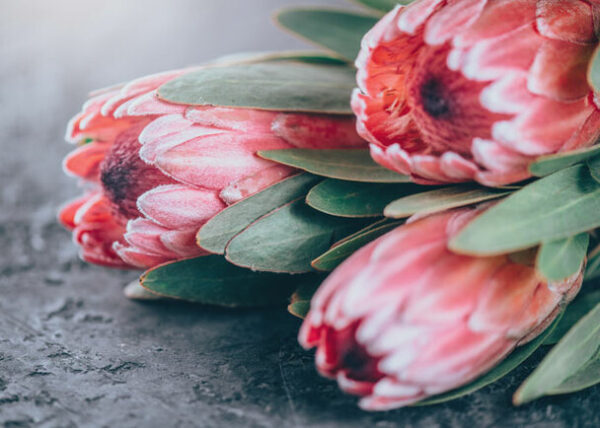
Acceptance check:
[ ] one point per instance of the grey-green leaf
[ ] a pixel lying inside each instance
(281, 86)
(342, 250)
(557, 206)
(353, 199)
(212, 280)
(594, 166)
(288, 239)
(219, 230)
(561, 258)
(336, 30)
(382, 5)
(592, 269)
(581, 305)
(593, 74)
(300, 301)
(549, 164)
(441, 199)
(343, 164)
(507, 365)
(571, 365)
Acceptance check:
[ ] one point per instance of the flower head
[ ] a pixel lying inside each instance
(459, 90)
(155, 172)
(404, 318)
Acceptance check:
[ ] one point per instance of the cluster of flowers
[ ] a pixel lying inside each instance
(448, 91)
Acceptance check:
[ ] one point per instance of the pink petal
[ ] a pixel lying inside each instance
(138, 258)
(415, 15)
(179, 207)
(247, 186)
(235, 119)
(85, 161)
(508, 94)
(182, 242)
(144, 235)
(566, 20)
(453, 18)
(215, 161)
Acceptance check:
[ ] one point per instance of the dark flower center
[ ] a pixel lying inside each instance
(125, 176)
(435, 103)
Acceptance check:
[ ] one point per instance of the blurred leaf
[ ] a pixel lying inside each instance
(570, 366)
(594, 166)
(382, 5)
(343, 164)
(561, 258)
(514, 359)
(212, 280)
(219, 230)
(281, 86)
(337, 30)
(341, 251)
(441, 199)
(353, 199)
(593, 74)
(581, 305)
(557, 206)
(545, 165)
(253, 57)
(592, 269)
(300, 301)
(288, 239)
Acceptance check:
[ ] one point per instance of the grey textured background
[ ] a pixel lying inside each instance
(73, 351)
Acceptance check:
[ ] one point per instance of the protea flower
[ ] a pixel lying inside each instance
(155, 171)
(458, 90)
(404, 318)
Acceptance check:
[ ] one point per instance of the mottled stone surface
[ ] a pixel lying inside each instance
(73, 351)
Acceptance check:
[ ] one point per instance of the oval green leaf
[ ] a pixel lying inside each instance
(253, 57)
(557, 206)
(561, 258)
(336, 30)
(288, 239)
(507, 365)
(546, 165)
(341, 251)
(343, 164)
(212, 280)
(281, 86)
(353, 199)
(593, 74)
(441, 199)
(581, 305)
(574, 358)
(218, 231)
(382, 5)
(300, 301)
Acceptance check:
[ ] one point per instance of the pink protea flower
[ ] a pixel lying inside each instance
(155, 172)
(404, 318)
(459, 90)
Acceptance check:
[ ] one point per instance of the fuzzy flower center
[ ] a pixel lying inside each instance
(125, 177)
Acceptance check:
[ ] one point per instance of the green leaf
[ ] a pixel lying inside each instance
(594, 166)
(557, 206)
(336, 30)
(545, 165)
(593, 74)
(288, 239)
(300, 301)
(570, 366)
(219, 230)
(581, 305)
(507, 365)
(441, 199)
(212, 280)
(353, 199)
(382, 5)
(561, 258)
(343, 164)
(281, 86)
(592, 270)
(254, 57)
(342, 250)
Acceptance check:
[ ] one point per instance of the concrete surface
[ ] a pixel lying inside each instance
(73, 351)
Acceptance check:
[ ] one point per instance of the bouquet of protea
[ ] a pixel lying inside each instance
(444, 169)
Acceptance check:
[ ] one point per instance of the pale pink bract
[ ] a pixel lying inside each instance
(461, 90)
(404, 318)
(155, 172)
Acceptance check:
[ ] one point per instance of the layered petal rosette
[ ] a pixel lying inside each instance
(404, 318)
(459, 90)
(154, 172)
